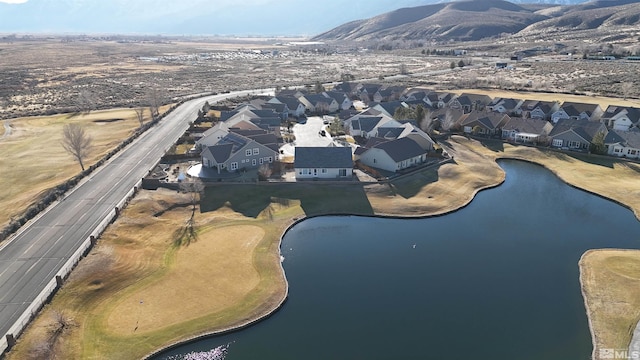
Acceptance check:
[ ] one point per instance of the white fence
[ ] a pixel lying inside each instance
(52, 286)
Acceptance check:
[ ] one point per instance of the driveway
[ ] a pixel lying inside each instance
(307, 135)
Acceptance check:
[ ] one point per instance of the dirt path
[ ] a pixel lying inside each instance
(7, 129)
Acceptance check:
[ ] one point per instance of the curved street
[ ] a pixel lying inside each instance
(32, 258)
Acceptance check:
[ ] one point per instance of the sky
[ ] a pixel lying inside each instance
(189, 17)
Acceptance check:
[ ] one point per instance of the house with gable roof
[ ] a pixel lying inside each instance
(539, 109)
(323, 163)
(319, 104)
(525, 130)
(296, 108)
(575, 134)
(577, 111)
(388, 108)
(343, 100)
(506, 106)
(621, 118)
(483, 122)
(394, 155)
(469, 102)
(367, 91)
(235, 152)
(623, 143)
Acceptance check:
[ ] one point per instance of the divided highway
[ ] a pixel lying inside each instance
(32, 258)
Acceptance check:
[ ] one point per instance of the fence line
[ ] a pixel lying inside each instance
(7, 341)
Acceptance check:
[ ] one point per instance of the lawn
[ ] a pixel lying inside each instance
(34, 161)
(138, 292)
(611, 285)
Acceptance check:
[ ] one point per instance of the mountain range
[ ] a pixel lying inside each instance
(480, 19)
(199, 17)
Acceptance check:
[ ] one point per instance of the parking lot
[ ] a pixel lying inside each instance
(307, 135)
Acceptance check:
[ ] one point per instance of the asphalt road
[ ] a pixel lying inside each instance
(31, 259)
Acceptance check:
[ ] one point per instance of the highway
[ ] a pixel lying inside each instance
(32, 258)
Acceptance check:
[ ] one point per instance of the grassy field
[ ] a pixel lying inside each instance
(610, 282)
(33, 159)
(138, 292)
(603, 101)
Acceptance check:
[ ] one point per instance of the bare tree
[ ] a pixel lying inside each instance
(140, 115)
(85, 101)
(155, 98)
(265, 171)
(76, 142)
(626, 88)
(448, 121)
(188, 234)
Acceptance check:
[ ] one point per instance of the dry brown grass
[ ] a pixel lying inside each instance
(33, 159)
(238, 275)
(167, 301)
(603, 101)
(611, 284)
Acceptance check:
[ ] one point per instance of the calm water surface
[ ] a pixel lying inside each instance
(496, 280)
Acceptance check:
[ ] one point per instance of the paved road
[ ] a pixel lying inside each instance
(33, 257)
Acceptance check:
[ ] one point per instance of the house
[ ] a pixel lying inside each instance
(483, 123)
(621, 118)
(539, 109)
(506, 106)
(394, 155)
(364, 125)
(469, 102)
(349, 88)
(575, 134)
(623, 143)
(414, 95)
(367, 91)
(343, 100)
(323, 163)
(281, 109)
(526, 131)
(390, 93)
(388, 108)
(319, 104)
(296, 109)
(577, 111)
(221, 129)
(235, 152)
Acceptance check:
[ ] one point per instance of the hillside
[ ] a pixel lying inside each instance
(475, 20)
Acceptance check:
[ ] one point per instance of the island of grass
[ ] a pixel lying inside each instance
(139, 291)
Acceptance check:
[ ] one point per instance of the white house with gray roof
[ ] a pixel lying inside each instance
(623, 143)
(323, 163)
(394, 155)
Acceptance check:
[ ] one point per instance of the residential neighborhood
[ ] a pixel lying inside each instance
(384, 137)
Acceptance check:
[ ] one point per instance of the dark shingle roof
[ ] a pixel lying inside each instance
(220, 153)
(530, 126)
(625, 138)
(401, 149)
(323, 157)
(366, 123)
(584, 128)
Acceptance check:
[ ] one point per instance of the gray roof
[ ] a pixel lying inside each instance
(323, 157)
(401, 149)
(625, 138)
(220, 153)
(530, 126)
(584, 128)
(316, 99)
(291, 102)
(632, 113)
(366, 123)
(390, 132)
(337, 96)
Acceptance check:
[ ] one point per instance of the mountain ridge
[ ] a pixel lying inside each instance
(484, 19)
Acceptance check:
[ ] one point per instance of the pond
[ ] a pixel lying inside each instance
(498, 279)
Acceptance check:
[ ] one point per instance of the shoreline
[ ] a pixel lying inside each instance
(296, 221)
